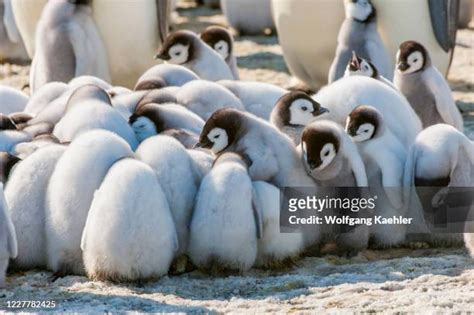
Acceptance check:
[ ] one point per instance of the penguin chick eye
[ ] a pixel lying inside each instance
(217, 136)
(304, 108)
(326, 153)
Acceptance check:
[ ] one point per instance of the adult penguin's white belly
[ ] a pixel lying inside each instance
(27, 14)
(248, 16)
(131, 45)
(308, 31)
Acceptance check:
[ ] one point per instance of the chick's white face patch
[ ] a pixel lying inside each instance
(364, 132)
(179, 54)
(327, 154)
(301, 112)
(144, 128)
(219, 138)
(415, 61)
(222, 48)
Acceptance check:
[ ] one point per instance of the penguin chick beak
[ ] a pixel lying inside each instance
(321, 111)
(402, 66)
(203, 144)
(162, 55)
(354, 64)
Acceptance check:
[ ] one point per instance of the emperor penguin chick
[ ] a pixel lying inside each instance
(129, 233)
(152, 119)
(384, 159)
(293, 112)
(332, 160)
(441, 157)
(342, 96)
(164, 75)
(86, 112)
(8, 243)
(359, 33)
(176, 169)
(187, 49)
(271, 154)
(225, 224)
(205, 97)
(361, 66)
(258, 98)
(222, 41)
(425, 87)
(330, 156)
(82, 167)
(12, 100)
(68, 44)
(274, 247)
(25, 194)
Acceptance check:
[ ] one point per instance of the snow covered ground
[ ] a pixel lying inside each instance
(397, 280)
(431, 280)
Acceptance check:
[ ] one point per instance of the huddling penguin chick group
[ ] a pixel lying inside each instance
(186, 169)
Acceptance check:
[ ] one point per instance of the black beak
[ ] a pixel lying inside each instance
(351, 131)
(162, 56)
(321, 111)
(402, 66)
(132, 119)
(203, 144)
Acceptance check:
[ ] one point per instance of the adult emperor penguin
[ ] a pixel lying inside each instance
(129, 234)
(175, 168)
(225, 223)
(425, 87)
(205, 97)
(12, 48)
(83, 167)
(359, 33)
(164, 75)
(361, 66)
(150, 27)
(342, 96)
(187, 49)
(270, 154)
(293, 111)
(68, 44)
(248, 17)
(25, 194)
(274, 247)
(222, 41)
(384, 158)
(298, 20)
(12, 100)
(8, 243)
(152, 119)
(258, 98)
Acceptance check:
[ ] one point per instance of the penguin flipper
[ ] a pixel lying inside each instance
(339, 65)
(444, 18)
(462, 171)
(392, 179)
(442, 94)
(257, 214)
